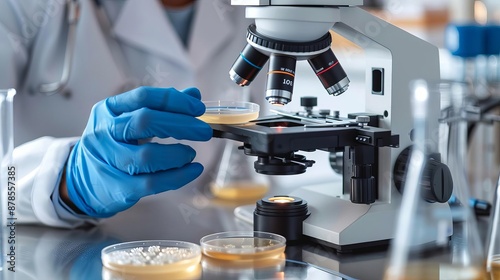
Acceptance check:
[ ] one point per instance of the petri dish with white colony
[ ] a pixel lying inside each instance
(166, 257)
(243, 245)
(229, 112)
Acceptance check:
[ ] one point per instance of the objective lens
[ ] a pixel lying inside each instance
(330, 72)
(280, 79)
(247, 66)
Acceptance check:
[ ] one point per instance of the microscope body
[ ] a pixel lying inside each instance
(393, 59)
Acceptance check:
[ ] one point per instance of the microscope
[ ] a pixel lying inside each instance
(370, 149)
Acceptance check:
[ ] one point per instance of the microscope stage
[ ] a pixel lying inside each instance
(277, 135)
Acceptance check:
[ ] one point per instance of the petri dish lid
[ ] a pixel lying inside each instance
(151, 256)
(229, 112)
(243, 245)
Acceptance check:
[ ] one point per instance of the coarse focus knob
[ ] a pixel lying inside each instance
(440, 185)
(436, 181)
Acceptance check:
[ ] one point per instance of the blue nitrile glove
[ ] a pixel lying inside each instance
(108, 171)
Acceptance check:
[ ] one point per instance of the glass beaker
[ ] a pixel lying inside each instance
(493, 247)
(236, 178)
(422, 248)
(6, 148)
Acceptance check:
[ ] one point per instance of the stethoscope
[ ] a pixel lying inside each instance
(72, 17)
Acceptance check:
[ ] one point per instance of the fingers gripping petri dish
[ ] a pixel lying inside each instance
(229, 112)
(152, 257)
(243, 245)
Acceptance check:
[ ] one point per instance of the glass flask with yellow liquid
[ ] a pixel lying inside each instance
(236, 178)
(422, 247)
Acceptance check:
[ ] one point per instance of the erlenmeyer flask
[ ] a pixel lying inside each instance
(493, 248)
(422, 248)
(236, 178)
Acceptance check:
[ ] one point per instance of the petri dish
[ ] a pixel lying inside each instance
(211, 263)
(166, 257)
(243, 245)
(268, 268)
(229, 112)
(192, 274)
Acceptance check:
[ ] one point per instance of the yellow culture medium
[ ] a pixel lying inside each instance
(229, 112)
(243, 245)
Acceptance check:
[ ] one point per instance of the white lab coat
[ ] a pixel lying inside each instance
(133, 45)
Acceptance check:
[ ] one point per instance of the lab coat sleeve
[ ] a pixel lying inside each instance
(39, 165)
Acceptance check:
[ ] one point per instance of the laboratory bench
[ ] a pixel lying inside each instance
(187, 214)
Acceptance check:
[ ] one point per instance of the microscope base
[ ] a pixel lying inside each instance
(345, 226)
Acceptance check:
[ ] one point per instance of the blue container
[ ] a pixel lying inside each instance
(465, 40)
(492, 40)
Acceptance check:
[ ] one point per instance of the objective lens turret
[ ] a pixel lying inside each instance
(283, 56)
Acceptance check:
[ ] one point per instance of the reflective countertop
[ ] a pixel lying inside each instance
(186, 215)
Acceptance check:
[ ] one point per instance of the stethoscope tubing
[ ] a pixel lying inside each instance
(73, 15)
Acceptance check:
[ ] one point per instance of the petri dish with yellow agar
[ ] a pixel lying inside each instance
(229, 112)
(270, 268)
(243, 245)
(278, 261)
(192, 274)
(165, 257)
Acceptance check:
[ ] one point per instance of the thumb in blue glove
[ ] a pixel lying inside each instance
(108, 171)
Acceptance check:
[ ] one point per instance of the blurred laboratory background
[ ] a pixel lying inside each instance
(467, 33)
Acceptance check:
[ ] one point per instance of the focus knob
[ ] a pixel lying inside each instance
(440, 185)
(436, 181)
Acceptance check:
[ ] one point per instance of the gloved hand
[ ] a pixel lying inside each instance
(108, 171)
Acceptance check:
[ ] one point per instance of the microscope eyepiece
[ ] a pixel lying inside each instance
(329, 71)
